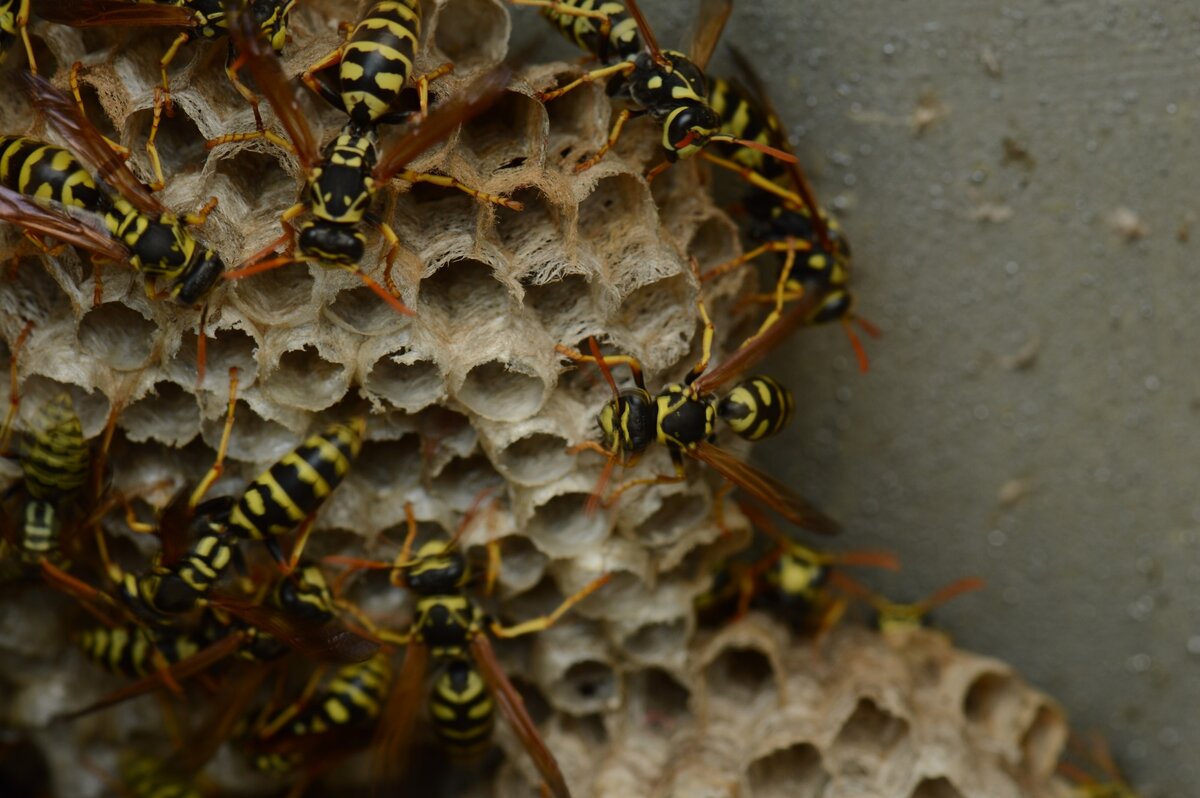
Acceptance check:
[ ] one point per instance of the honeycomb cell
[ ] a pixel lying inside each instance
(562, 527)
(117, 336)
(502, 391)
(536, 459)
(254, 439)
(577, 120)
(572, 658)
(657, 641)
(590, 683)
(462, 285)
(359, 310)
(406, 380)
(304, 379)
(508, 138)
(794, 772)
(278, 296)
(872, 733)
(224, 349)
(740, 675)
(521, 565)
(714, 241)
(533, 237)
(677, 515)
(940, 787)
(660, 696)
(394, 466)
(168, 414)
(29, 291)
(471, 33)
(180, 145)
(1042, 741)
(464, 480)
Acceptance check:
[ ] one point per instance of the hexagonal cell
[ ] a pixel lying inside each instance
(714, 242)
(564, 306)
(657, 640)
(617, 205)
(562, 527)
(502, 391)
(223, 349)
(406, 381)
(592, 681)
(533, 236)
(793, 772)
(180, 144)
(740, 675)
(27, 287)
(1043, 741)
(871, 732)
(642, 313)
(93, 109)
(391, 465)
(660, 696)
(536, 459)
(303, 379)
(575, 120)
(461, 283)
(940, 787)
(168, 414)
(995, 701)
(360, 310)
(508, 137)
(522, 566)
(273, 296)
(259, 179)
(471, 33)
(463, 480)
(116, 335)
(254, 439)
(677, 514)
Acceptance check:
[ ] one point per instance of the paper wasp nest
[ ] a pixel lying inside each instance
(468, 395)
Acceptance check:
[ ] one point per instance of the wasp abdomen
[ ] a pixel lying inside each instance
(757, 408)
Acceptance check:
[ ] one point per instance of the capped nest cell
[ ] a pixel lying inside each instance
(469, 395)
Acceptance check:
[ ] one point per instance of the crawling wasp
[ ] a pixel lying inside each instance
(682, 416)
(342, 182)
(451, 629)
(205, 19)
(816, 252)
(14, 23)
(801, 583)
(374, 65)
(668, 85)
(140, 230)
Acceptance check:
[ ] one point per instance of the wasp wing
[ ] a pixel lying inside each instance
(645, 30)
(329, 641)
(85, 141)
(710, 23)
(34, 217)
(97, 13)
(766, 489)
(400, 713)
(405, 144)
(513, 708)
(273, 83)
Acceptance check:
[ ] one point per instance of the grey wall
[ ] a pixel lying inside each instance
(1042, 353)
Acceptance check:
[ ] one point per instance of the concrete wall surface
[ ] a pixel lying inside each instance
(1019, 182)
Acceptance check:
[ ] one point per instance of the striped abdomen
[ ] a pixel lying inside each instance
(129, 650)
(378, 59)
(462, 709)
(39, 533)
(147, 777)
(746, 119)
(48, 173)
(757, 408)
(54, 454)
(180, 586)
(623, 41)
(354, 695)
(282, 496)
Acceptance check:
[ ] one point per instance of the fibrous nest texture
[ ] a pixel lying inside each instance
(468, 395)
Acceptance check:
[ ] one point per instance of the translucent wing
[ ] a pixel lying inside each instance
(513, 708)
(27, 214)
(86, 142)
(330, 641)
(766, 489)
(752, 351)
(710, 23)
(96, 13)
(273, 83)
(405, 144)
(644, 29)
(400, 713)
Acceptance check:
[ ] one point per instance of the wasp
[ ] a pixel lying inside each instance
(205, 19)
(343, 180)
(896, 619)
(138, 229)
(802, 584)
(14, 23)
(682, 416)
(784, 213)
(450, 631)
(375, 64)
(667, 85)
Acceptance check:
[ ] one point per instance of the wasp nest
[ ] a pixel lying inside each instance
(469, 394)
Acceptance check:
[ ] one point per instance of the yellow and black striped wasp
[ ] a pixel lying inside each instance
(799, 583)
(374, 65)
(137, 228)
(14, 24)
(450, 631)
(205, 19)
(784, 213)
(343, 180)
(682, 416)
(896, 619)
(668, 85)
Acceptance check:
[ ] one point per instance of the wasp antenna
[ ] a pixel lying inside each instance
(597, 497)
(602, 365)
(950, 591)
(868, 327)
(860, 352)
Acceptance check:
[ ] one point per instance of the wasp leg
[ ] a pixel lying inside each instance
(603, 73)
(788, 245)
(615, 134)
(604, 20)
(662, 479)
(546, 621)
(217, 468)
(76, 68)
(706, 340)
(309, 76)
(21, 23)
(635, 365)
(449, 182)
(164, 62)
(423, 82)
(755, 179)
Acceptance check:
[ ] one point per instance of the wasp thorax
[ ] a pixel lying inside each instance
(333, 243)
(437, 568)
(627, 422)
